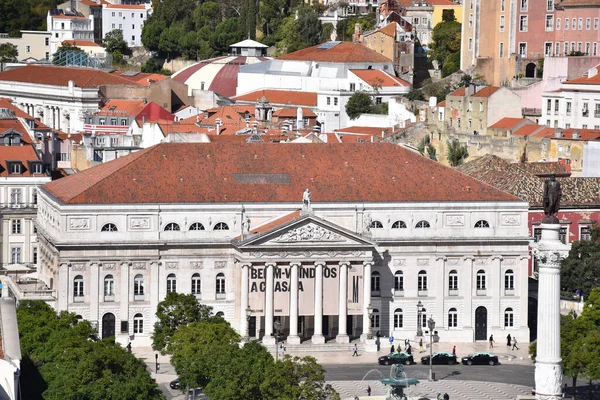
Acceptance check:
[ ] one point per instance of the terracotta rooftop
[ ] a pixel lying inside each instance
(584, 134)
(127, 6)
(378, 77)
(527, 130)
(293, 113)
(343, 52)
(82, 43)
(270, 173)
(60, 76)
(579, 3)
(509, 123)
(544, 168)
(308, 99)
(486, 91)
(141, 78)
(129, 108)
(442, 103)
(459, 92)
(17, 153)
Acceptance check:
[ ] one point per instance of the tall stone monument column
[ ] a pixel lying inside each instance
(549, 253)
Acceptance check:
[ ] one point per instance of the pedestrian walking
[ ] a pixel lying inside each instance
(492, 341)
(421, 345)
(564, 391)
(508, 340)
(409, 349)
(129, 347)
(355, 350)
(454, 351)
(515, 344)
(368, 390)
(392, 349)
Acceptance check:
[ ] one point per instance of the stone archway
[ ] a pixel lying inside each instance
(481, 323)
(530, 70)
(108, 325)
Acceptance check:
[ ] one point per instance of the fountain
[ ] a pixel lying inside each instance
(397, 382)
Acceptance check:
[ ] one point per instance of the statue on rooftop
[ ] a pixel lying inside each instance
(306, 198)
(552, 195)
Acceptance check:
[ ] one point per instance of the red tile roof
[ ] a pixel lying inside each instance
(81, 43)
(17, 153)
(275, 223)
(60, 76)
(442, 103)
(126, 6)
(578, 3)
(293, 113)
(343, 52)
(584, 134)
(153, 112)
(308, 99)
(508, 123)
(389, 29)
(378, 77)
(486, 91)
(129, 108)
(231, 172)
(15, 124)
(141, 78)
(460, 92)
(527, 130)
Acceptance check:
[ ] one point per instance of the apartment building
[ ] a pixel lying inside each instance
(32, 45)
(129, 18)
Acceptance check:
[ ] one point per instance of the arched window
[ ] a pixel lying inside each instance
(138, 323)
(509, 280)
(398, 318)
(78, 288)
(481, 280)
(452, 318)
(422, 280)
(109, 228)
(509, 318)
(376, 318)
(398, 281)
(138, 285)
(376, 225)
(375, 282)
(196, 284)
(453, 280)
(423, 224)
(482, 223)
(172, 226)
(399, 225)
(220, 282)
(109, 286)
(171, 283)
(196, 226)
(221, 226)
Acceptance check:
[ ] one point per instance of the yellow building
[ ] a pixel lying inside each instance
(393, 42)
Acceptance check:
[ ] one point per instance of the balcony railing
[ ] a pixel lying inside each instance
(18, 205)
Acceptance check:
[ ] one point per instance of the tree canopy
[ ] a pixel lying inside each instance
(456, 153)
(18, 15)
(63, 359)
(175, 311)
(445, 46)
(358, 104)
(113, 41)
(581, 269)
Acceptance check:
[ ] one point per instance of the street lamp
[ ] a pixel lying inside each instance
(431, 326)
(248, 314)
(277, 326)
(419, 310)
(370, 312)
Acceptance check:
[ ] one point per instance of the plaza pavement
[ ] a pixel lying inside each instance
(457, 389)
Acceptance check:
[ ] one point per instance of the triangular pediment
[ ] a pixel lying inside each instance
(307, 231)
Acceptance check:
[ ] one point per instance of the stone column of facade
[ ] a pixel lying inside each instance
(496, 284)
(318, 337)
(269, 306)
(468, 292)
(293, 337)
(124, 291)
(342, 336)
(550, 252)
(440, 292)
(522, 280)
(153, 292)
(94, 294)
(245, 300)
(368, 265)
(63, 294)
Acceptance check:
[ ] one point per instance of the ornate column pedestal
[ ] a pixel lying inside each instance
(549, 253)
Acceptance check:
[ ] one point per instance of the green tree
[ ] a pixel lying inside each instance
(175, 311)
(426, 148)
(113, 41)
(445, 44)
(309, 26)
(208, 14)
(448, 16)
(326, 31)
(8, 53)
(359, 103)
(200, 350)
(153, 27)
(456, 152)
(581, 269)
(272, 13)
(226, 33)
(415, 94)
(297, 378)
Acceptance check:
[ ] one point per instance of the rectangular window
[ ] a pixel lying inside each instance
(556, 106)
(422, 282)
(470, 20)
(524, 5)
(335, 101)
(375, 283)
(580, 24)
(523, 49)
(132, 15)
(501, 51)
(595, 49)
(458, 122)
(398, 282)
(352, 87)
(537, 234)
(579, 46)
(548, 106)
(15, 168)
(113, 121)
(548, 49)
(378, 100)
(47, 41)
(566, 48)
(329, 101)
(595, 24)
(415, 21)
(574, 24)
(15, 196)
(549, 22)
(452, 320)
(562, 234)
(550, 5)
(481, 281)
(113, 26)
(558, 24)
(585, 112)
(588, 23)
(34, 251)
(133, 38)
(15, 255)
(16, 226)
(568, 108)
(557, 49)
(120, 14)
(502, 23)
(120, 26)
(47, 56)
(470, 43)
(27, 49)
(471, 4)
(587, 48)
(113, 13)
(502, 5)
(132, 26)
(585, 233)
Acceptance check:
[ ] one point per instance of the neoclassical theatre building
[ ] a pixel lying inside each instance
(305, 237)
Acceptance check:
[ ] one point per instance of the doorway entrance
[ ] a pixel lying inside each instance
(481, 323)
(252, 327)
(108, 325)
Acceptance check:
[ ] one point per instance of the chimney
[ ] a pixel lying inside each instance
(218, 126)
(206, 114)
(432, 101)
(575, 133)
(316, 129)
(356, 37)
(558, 132)
(299, 119)
(71, 87)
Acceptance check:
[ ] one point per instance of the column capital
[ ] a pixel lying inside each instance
(296, 263)
(321, 263)
(344, 263)
(444, 258)
(270, 264)
(127, 263)
(469, 258)
(368, 263)
(246, 264)
(497, 258)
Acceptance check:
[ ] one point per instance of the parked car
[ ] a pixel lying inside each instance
(397, 357)
(440, 357)
(174, 384)
(480, 358)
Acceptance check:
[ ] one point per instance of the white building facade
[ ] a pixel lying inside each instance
(68, 27)
(129, 18)
(248, 242)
